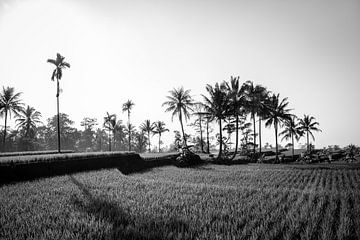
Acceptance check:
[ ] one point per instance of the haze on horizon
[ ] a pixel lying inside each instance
(307, 51)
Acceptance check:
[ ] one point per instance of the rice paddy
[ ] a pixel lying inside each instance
(254, 201)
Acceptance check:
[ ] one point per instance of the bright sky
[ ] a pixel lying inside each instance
(308, 51)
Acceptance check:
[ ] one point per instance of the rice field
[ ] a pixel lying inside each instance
(255, 201)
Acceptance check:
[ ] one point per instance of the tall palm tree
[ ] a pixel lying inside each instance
(60, 64)
(28, 119)
(127, 106)
(179, 103)
(308, 125)
(148, 127)
(255, 96)
(201, 114)
(277, 113)
(108, 124)
(159, 128)
(237, 102)
(292, 130)
(217, 106)
(10, 103)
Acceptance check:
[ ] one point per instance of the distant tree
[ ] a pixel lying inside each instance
(277, 113)
(148, 127)
(308, 125)
(100, 138)
(237, 103)
(130, 132)
(140, 141)
(88, 135)
(159, 128)
(292, 130)
(180, 103)
(216, 105)
(255, 97)
(60, 64)
(108, 125)
(10, 102)
(127, 106)
(27, 120)
(70, 136)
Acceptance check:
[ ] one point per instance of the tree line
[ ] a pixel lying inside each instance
(230, 104)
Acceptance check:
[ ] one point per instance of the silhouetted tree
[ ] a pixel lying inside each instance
(179, 103)
(10, 102)
(60, 64)
(292, 130)
(127, 106)
(159, 128)
(148, 127)
(308, 125)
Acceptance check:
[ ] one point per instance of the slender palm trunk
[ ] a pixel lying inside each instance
(292, 138)
(220, 147)
(201, 136)
(307, 137)
(149, 141)
(129, 130)
(109, 141)
(159, 141)
(4, 137)
(207, 136)
(236, 136)
(260, 136)
(58, 116)
(182, 128)
(276, 142)
(253, 117)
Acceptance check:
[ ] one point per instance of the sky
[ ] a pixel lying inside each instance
(308, 51)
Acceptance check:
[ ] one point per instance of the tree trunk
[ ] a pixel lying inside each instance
(207, 136)
(149, 141)
(253, 117)
(259, 136)
(307, 137)
(182, 128)
(159, 141)
(236, 136)
(201, 136)
(58, 116)
(4, 137)
(276, 143)
(109, 141)
(129, 137)
(220, 147)
(292, 137)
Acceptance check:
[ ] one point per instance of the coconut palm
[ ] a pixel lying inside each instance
(60, 64)
(309, 125)
(237, 102)
(159, 128)
(255, 96)
(127, 106)
(180, 103)
(148, 127)
(292, 130)
(28, 119)
(217, 106)
(277, 113)
(10, 103)
(198, 111)
(108, 124)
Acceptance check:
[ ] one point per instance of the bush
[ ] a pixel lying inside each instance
(187, 159)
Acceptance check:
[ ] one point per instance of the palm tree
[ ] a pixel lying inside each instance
(130, 130)
(28, 119)
(10, 103)
(255, 96)
(60, 64)
(201, 114)
(127, 106)
(308, 125)
(108, 124)
(159, 128)
(179, 103)
(217, 106)
(277, 113)
(147, 127)
(237, 99)
(292, 130)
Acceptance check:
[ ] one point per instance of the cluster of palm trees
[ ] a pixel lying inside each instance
(231, 103)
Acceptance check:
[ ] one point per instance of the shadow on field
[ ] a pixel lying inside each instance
(126, 226)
